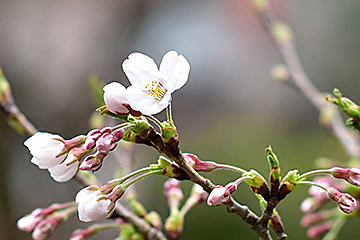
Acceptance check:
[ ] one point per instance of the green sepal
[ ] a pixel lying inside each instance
(256, 180)
(167, 166)
(345, 104)
(288, 183)
(168, 131)
(262, 202)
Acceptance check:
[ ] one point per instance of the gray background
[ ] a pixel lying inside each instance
(229, 110)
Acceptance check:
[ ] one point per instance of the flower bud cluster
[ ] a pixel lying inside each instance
(105, 140)
(43, 222)
(320, 221)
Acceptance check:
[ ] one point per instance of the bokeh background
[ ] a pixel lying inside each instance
(229, 110)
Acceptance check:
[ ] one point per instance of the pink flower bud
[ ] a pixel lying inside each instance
(46, 228)
(218, 196)
(351, 175)
(114, 97)
(118, 135)
(93, 162)
(106, 143)
(173, 192)
(346, 202)
(319, 230)
(314, 218)
(28, 222)
(199, 165)
(91, 139)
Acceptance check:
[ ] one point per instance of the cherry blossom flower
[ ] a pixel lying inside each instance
(151, 87)
(45, 148)
(66, 170)
(93, 204)
(218, 196)
(114, 97)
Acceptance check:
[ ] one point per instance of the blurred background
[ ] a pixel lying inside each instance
(229, 110)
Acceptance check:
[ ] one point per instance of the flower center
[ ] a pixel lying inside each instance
(156, 89)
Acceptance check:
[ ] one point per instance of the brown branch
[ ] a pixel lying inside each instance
(172, 150)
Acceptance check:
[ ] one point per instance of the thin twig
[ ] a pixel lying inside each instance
(302, 81)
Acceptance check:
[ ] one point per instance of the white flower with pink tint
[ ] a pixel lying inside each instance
(151, 88)
(114, 97)
(66, 170)
(93, 205)
(45, 148)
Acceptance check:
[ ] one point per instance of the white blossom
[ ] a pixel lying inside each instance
(114, 97)
(44, 147)
(151, 87)
(93, 205)
(66, 170)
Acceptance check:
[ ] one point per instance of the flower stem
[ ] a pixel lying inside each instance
(126, 185)
(169, 112)
(319, 171)
(126, 124)
(229, 168)
(154, 120)
(311, 184)
(338, 223)
(124, 178)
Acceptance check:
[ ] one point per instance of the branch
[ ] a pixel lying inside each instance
(172, 150)
(11, 111)
(281, 34)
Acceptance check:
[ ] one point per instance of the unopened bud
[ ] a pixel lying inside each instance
(93, 162)
(280, 73)
(351, 175)
(315, 218)
(346, 202)
(174, 226)
(319, 231)
(218, 196)
(154, 219)
(92, 137)
(199, 165)
(281, 32)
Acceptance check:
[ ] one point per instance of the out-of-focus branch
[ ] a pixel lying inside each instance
(282, 35)
(12, 113)
(23, 126)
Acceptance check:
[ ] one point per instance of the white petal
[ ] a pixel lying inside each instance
(174, 69)
(86, 193)
(44, 148)
(140, 69)
(81, 213)
(25, 222)
(98, 210)
(114, 97)
(64, 172)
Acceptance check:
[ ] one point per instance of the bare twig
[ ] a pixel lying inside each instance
(288, 51)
